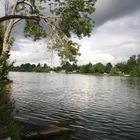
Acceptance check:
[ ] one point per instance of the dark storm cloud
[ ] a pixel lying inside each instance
(112, 9)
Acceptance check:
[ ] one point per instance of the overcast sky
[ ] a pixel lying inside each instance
(115, 37)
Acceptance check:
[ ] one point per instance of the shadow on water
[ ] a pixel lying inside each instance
(16, 129)
(7, 125)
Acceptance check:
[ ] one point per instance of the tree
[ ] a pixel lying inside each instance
(86, 68)
(138, 59)
(131, 62)
(99, 68)
(64, 17)
(31, 68)
(108, 67)
(115, 72)
(56, 23)
(135, 71)
(122, 67)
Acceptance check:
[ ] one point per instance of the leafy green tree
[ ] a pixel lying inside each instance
(38, 65)
(135, 71)
(86, 68)
(138, 59)
(108, 67)
(122, 67)
(99, 68)
(31, 68)
(131, 62)
(46, 68)
(115, 72)
(57, 69)
(4, 69)
(75, 67)
(67, 67)
(55, 19)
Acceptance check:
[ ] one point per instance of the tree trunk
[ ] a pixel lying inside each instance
(5, 48)
(6, 45)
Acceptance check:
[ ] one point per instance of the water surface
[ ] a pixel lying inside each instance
(96, 107)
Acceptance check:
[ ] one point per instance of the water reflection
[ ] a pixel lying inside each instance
(134, 83)
(7, 125)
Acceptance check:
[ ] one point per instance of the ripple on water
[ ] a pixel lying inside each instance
(96, 107)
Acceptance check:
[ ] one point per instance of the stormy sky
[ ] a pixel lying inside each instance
(115, 37)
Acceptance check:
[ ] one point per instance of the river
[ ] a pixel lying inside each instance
(96, 107)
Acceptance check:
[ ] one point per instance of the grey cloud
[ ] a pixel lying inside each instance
(125, 49)
(121, 52)
(21, 43)
(112, 9)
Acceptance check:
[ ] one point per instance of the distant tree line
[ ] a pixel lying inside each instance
(98, 68)
(131, 67)
(31, 68)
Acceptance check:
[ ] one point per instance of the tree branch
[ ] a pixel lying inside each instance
(30, 17)
(18, 20)
(26, 3)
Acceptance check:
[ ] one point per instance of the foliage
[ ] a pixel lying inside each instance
(135, 71)
(67, 50)
(64, 17)
(99, 68)
(138, 59)
(31, 68)
(4, 68)
(131, 62)
(132, 67)
(55, 20)
(68, 67)
(11, 41)
(123, 67)
(115, 72)
(76, 14)
(34, 29)
(9, 127)
(86, 68)
(108, 67)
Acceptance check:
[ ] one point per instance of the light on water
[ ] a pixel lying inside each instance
(96, 107)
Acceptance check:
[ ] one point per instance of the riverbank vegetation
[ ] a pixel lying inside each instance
(31, 68)
(129, 68)
(8, 127)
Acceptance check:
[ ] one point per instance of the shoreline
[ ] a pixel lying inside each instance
(94, 74)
